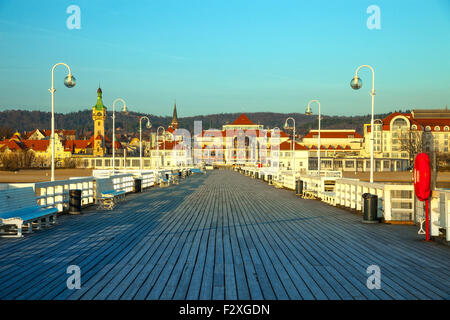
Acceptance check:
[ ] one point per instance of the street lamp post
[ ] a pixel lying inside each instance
(157, 144)
(293, 140)
(114, 129)
(69, 82)
(356, 84)
(149, 125)
(309, 112)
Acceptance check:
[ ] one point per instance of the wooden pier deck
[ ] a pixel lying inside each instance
(222, 236)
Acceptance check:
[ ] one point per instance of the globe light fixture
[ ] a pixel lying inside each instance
(356, 83)
(308, 111)
(70, 81)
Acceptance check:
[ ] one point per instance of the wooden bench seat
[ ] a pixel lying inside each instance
(164, 180)
(19, 208)
(106, 196)
(309, 194)
(175, 178)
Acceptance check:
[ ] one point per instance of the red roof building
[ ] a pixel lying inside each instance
(332, 139)
(402, 135)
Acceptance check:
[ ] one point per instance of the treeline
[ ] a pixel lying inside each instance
(20, 120)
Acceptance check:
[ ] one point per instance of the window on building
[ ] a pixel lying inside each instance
(399, 123)
(349, 164)
(437, 128)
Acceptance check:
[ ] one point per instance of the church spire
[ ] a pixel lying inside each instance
(174, 123)
(99, 105)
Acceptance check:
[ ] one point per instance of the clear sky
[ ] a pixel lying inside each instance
(226, 56)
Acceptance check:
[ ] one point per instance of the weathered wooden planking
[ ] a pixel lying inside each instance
(222, 236)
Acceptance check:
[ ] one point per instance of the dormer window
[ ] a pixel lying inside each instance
(427, 128)
(437, 128)
(414, 127)
(446, 128)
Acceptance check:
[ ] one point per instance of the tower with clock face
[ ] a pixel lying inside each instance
(99, 117)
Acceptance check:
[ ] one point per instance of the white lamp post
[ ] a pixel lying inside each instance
(69, 82)
(293, 140)
(157, 143)
(114, 128)
(149, 125)
(309, 112)
(356, 84)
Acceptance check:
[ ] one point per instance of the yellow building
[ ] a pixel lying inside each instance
(99, 116)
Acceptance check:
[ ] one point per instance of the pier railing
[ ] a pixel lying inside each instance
(439, 212)
(120, 181)
(56, 193)
(395, 201)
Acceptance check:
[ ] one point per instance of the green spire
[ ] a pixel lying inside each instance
(99, 106)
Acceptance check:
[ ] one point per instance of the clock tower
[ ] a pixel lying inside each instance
(99, 116)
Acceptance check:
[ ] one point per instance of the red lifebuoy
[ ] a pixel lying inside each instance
(422, 183)
(422, 176)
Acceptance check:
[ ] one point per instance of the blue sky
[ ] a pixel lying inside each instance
(226, 56)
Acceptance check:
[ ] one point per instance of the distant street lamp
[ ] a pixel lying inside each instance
(356, 84)
(149, 125)
(157, 144)
(69, 82)
(309, 112)
(286, 126)
(114, 129)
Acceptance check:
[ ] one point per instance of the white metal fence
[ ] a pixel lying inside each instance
(56, 193)
(439, 212)
(395, 201)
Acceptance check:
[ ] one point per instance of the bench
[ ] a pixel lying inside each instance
(309, 194)
(106, 195)
(175, 178)
(164, 179)
(19, 208)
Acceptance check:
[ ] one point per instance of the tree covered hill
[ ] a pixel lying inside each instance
(20, 120)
